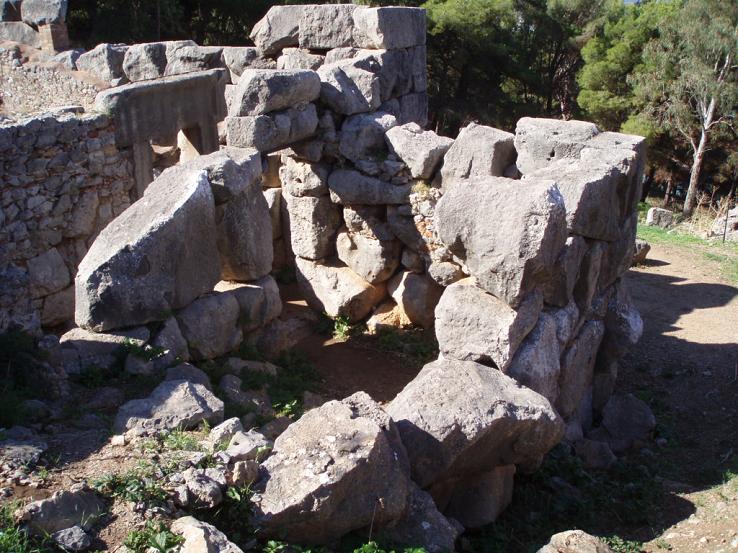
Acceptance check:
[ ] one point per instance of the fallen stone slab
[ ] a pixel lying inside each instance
(201, 536)
(158, 267)
(174, 404)
(104, 61)
(478, 151)
(337, 291)
(350, 187)
(274, 131)
(389, 27)
(266, 90)
(278, 29)
(473, 325)
(459, 418)
(422, 151)
(78, 506)
(346, 453)
(540, 142)
(511, 257)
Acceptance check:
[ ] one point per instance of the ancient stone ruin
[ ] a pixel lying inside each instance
(309, 151)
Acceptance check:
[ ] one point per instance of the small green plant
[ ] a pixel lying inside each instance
(620, 545)
(146, 352)
(341, 328)
(232, 515)
(154, 536)
(139, 485)
(661, 543)
(179, 440)
(14, 539)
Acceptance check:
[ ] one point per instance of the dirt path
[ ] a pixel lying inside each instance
(686, 367)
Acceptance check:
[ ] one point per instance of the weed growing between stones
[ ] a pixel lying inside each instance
(14, 539)
(146, 352)
(155, 536)
(139, 485)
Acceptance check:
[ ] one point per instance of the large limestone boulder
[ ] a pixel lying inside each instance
(417, 296)
(44, 12)
(173, 405)
(326, 26)
(574, 541)
(362, 135)
(341, 467)
(514, 254)
(200, 537)
(373, 260)
(312, 225)
(145, 61)
(540, 142)
(389, 27)
(337, 291)
(299, 178)
(156, 257)
(278, 29)
(297, 58)
(478, 151)
(459, 418)
(422, 151)
(472, 325)
(210, 325)
(272, 131)
(186, 56)
(577, 368)
(64, 509)
(265, 90)
(349, 87)
(239, 58)
(104, 61)
(350, 187)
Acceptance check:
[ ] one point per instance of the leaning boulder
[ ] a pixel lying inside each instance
(459, 418)
(278, 29)
(174, 404)
(472, 325)
(341, 467)
(422, 151)
(512, 256)
(337, 291)
(161, 252)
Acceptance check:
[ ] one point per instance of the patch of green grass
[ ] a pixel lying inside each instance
(146, 352)
(619, 545)
(712, 250)
(173, 440)
(14, 539)
(232, 515)
(154, 536)
(139, 485)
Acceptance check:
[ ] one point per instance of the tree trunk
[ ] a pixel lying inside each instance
(669, 190)
(690, 201)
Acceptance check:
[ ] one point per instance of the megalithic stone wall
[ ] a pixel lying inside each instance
(512, 246)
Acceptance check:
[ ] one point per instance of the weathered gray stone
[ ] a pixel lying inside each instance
(104, 61)
(47, 273)
(44, 12)
(577, 366)
(257, 401)
(190, 373)
(145, 61)
(536, 363)
(238, 58)
(478, 500)
(586, 288)
(304, 179)
(373, 260)
(158, 267)
(623, 323)
(417, 296)
(69, 58)
(347, 453)
(362, 135)
(367, 220)
(414, 108)
(659, 217)
(231, 172)
(478, 151)
(574, 541)
(347, 88)
(204, 487)
(326, 26)
(200, 537)
(422, 151)
(313, 222)
(558, 288)
(297, 58)
(186, 56)
(77, 506)
(351, 187)
(337, 291)
(170, 340)
(247, 446)
(473, 325)
(389, 27)
(273, 131)
(82, 349)
(423, 526)
(72, 539)
(278, 29)
(618, 256)
(514, 255)
(628, 418)
(273, 197)
(266, 90)
(210, 325)
(259, 301)
(17, 31)
(174, 404)
(540, 142)
(641, 251)
(459, 418)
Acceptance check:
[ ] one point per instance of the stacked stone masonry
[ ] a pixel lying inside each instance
(511, 246)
